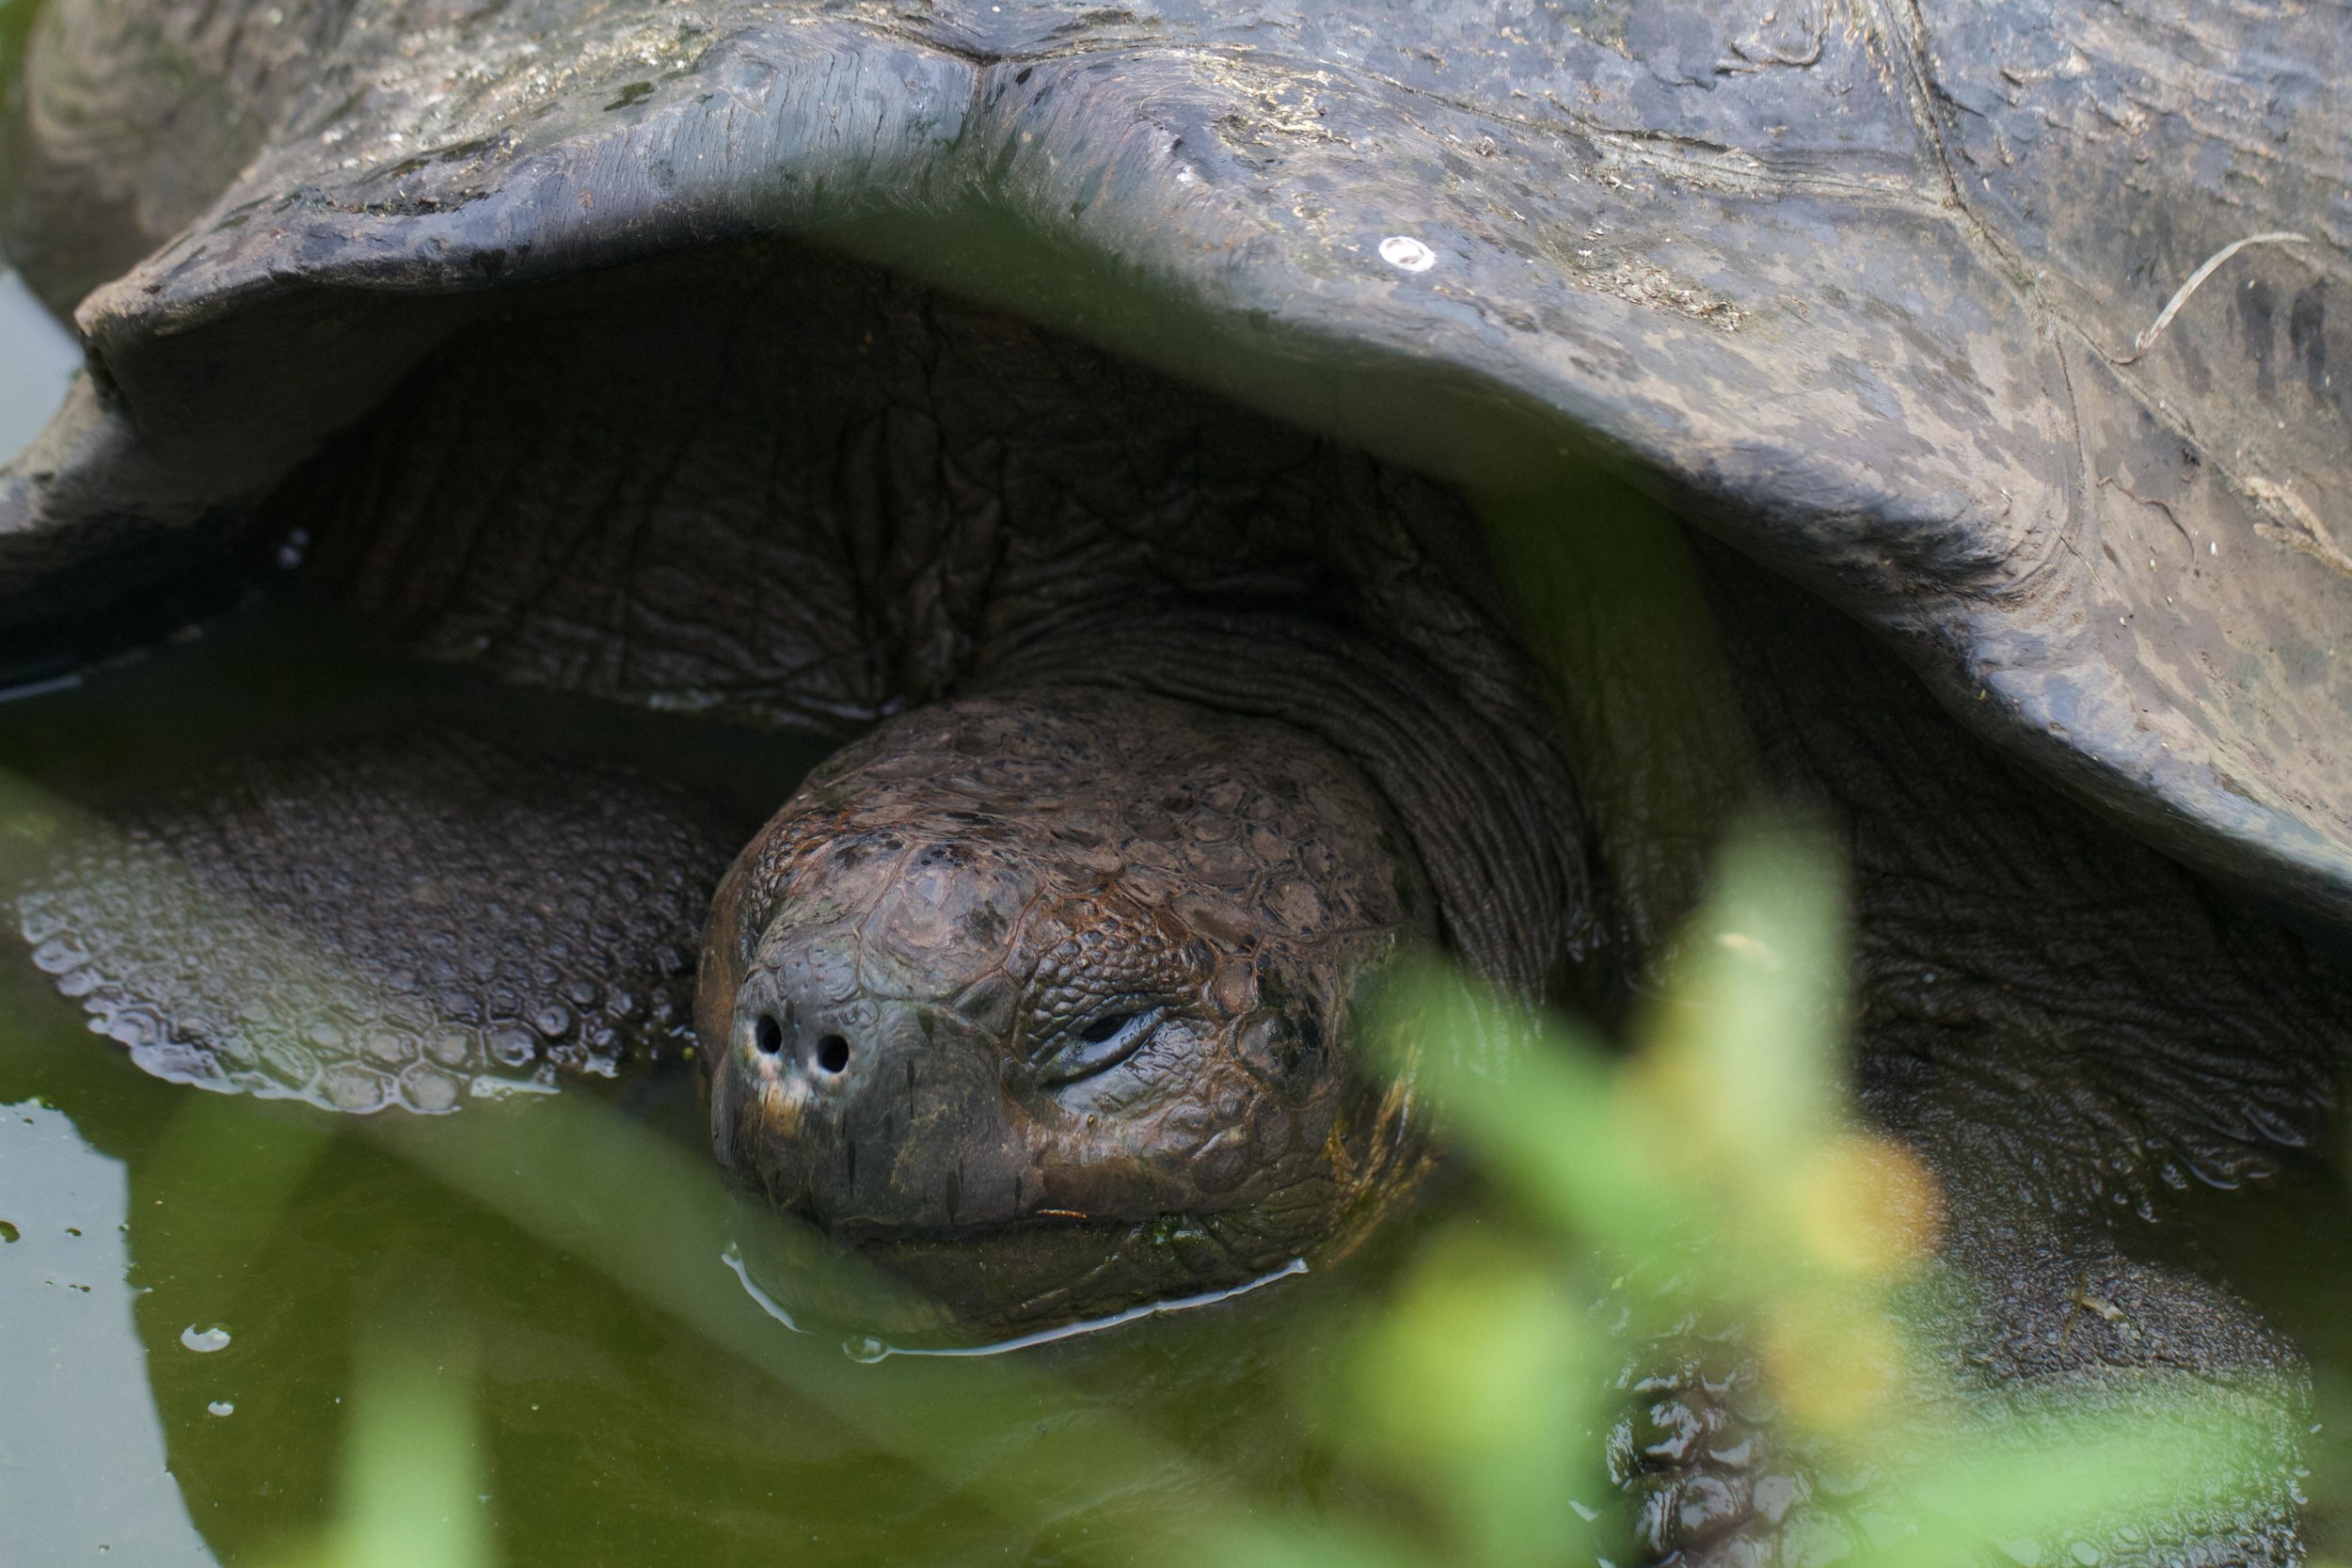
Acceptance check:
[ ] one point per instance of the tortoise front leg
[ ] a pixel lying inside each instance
(2070, 1030)
(2032, 1312)
(413, 918)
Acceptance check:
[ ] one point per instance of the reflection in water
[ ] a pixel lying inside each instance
(868, 1350)
(82, 1451)
(41, 357)
(634, 1404)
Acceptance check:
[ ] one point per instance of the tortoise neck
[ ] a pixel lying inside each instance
(1484, 795)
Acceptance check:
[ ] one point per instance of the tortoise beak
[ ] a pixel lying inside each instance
(864, 1113)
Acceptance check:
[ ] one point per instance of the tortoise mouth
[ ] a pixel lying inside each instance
(962, 1287)
(1001, 1279)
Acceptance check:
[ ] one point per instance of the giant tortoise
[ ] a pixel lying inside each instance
(1089, 413)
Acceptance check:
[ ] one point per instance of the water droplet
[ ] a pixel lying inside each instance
(221, 1407)
(1406, 253)
(204, 1341)
(863, 1349)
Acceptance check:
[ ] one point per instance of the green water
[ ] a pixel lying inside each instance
(635, 1405)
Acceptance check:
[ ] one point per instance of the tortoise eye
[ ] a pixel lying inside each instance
(1097, 1046)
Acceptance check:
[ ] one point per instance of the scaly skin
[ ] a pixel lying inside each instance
(400, 921)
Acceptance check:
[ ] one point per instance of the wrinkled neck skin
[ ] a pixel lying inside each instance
(1050, 999)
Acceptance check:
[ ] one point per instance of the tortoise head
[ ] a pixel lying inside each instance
(1046, 1002)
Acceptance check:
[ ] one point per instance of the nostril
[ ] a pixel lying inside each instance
(768, 1035)
(833, 1054)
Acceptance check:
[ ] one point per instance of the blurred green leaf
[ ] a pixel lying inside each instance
(1469, 1387)
(1725, 1143)
(413, 1486)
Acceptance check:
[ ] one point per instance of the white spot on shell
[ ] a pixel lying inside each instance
(1408, 253)
(204, 1341)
